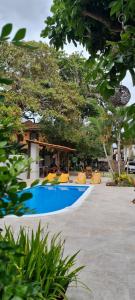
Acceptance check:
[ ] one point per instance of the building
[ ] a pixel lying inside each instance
(45, 157)
(31, 132)
(129, 153)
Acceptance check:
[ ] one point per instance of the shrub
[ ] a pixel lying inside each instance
(124, 180)
(35, 267)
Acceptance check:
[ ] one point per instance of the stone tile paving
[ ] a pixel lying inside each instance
(103, 228)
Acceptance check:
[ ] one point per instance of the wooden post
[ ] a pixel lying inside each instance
(68, 161)
(58, 160)
(29, 146)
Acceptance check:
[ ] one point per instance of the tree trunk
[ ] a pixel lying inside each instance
(108, 160)
(119, 153)
(126, 159)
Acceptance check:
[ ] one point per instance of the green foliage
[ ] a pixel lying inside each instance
(124, 179)
(129, 127)
(123, 122)
(128, 8)
(74, 68)
(97, 27)
(19, 35)
(12, 287)
(53, 86)
(114, 125)
(35, 182)
(86, 22)
(17, 40)
(114, 121)
(6, 31)
(29, 267)
(103, 126)
(11, 166)
(38, 88)
(34, 266)
(110, 69)
(10, 201)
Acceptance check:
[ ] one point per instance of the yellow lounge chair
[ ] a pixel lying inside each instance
(96, 178)
(81, 178)
(63, 178)
(50, 177)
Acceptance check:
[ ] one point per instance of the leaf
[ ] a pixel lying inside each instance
(13, 196)
(35, 182)
(6, 30)
(115, 7)
(132, 72)
(17, 298)
(3, 144)
(2, 98)
(6, 81)
(44, 182)
(26, 196)
(19, 35)
(22, 185)
(5, 245)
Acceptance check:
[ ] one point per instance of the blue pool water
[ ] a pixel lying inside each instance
(49, 198)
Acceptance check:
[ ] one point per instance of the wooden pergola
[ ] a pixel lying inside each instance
(57, 148)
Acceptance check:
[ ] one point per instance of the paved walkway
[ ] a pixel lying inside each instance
(103, 228)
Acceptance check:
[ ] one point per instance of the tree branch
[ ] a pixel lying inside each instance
(111, 26)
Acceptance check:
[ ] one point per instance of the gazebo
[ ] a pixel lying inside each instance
(39, 164)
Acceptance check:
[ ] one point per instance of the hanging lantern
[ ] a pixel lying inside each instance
(121, 97)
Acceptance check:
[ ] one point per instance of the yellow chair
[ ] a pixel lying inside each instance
(63, 178)
(96, 178)
(50, 177)
(81, 178)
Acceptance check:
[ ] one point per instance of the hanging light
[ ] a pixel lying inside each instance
(122, 94)
(121, 97)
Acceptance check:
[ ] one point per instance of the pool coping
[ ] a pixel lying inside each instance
(67, 209)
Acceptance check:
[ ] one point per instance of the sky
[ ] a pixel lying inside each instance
(31, 15)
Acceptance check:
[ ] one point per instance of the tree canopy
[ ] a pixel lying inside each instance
(104, 28)
(37, 87)
(51, 87)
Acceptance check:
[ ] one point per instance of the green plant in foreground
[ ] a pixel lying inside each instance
(34, 266)
(11, 166)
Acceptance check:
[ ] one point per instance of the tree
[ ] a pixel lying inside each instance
(51, 86)
(74, 68)
(103, 126)
(129, 127)
(100, 27)
(114, 125)
(38, 89)
(122, 135)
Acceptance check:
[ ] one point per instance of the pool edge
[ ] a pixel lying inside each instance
(76, 204)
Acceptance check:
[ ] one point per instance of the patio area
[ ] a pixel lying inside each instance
(103, 228)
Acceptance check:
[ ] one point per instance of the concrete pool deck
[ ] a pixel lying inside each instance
(103, 228)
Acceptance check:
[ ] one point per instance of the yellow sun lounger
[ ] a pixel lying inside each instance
(63, 178)
(81, 178)
(96, 178)
(50, 177)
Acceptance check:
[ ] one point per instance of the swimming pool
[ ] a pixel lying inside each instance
(53, 199)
